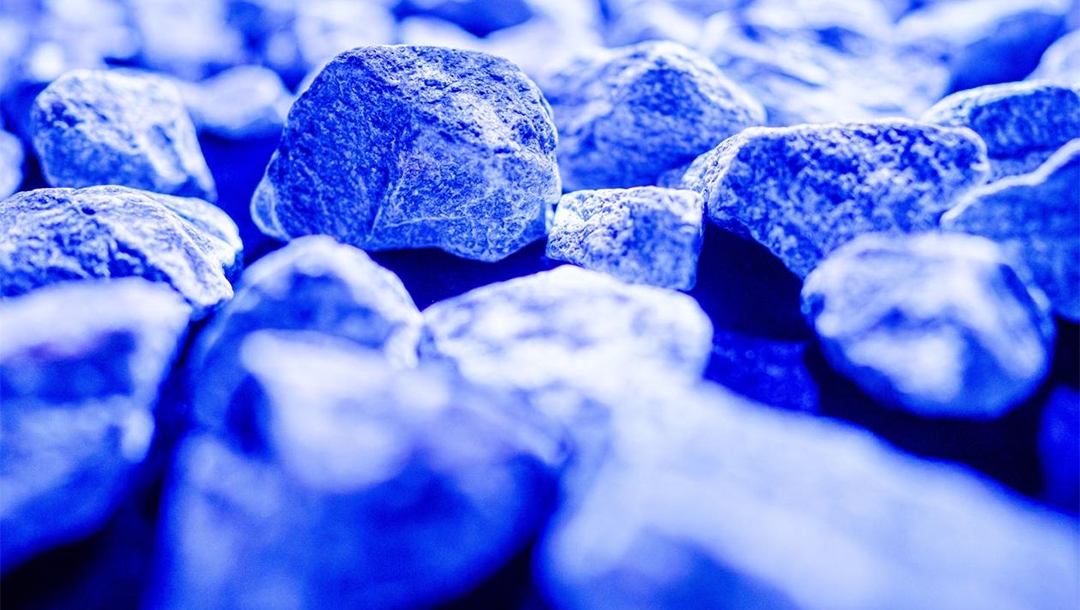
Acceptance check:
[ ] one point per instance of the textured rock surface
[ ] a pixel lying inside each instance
(95, 127)
(80, 366)
(11, 164)
(706, 501)
(51, 235)
(1021, 123)
(803, 191)
(1060, 64)
(937, 324)
(239, 103)
(313, 283)
(642, 235)
(1036, 217)
(627, 115)
(361, 486)
(410, 147)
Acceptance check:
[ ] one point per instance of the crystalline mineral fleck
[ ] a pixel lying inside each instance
(351, 484)
(94, 127)
(1021, 123)
(805, 190)
(80, 368)
(314, 284)
(410, 147)
(641, 235)
(627, 115)
(51, 235)
(11, 164)
(707, 501)
(938, 324)
(1036, 218)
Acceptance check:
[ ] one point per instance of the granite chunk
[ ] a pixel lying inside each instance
(708, 501)
(805, 190)
(937, 324)
(80, 368)
(641, 235)
(1036, 218)
(56, 234)
(95, 127)
(316, 284)
(357, 485)
(411, 147)
(1021, 123)
(626, 115)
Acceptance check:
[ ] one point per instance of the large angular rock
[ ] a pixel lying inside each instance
(629, 114)
(352, 485)
(80, 368)
(411, 147)
(50, 235)
(937, 324)
(1021, 123)
(11, 164)
(803, 191)
(315, 284)
(706, 501)
(642, 235)
(94, 127)
(1036, 218)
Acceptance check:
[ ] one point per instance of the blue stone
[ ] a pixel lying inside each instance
(1060, 64)
(627, 115)
(1059, 448)
(80, 368)
(314, 284)
(51, 235)
(191, 39)
(360, 486)
(411, 147)
(805, 190)
(707, 501)
(11, 164)
(96, 127)
(478, 17)
(937, 324)
(641, 235)
(1021, 123)
(240, 103)
(1036, 218)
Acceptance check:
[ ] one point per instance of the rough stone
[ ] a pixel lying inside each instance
(94, 127)
(410, 147)
(11, 164)
(1021, 123)
(51, 235)
(626, 115)
(354, 485)
(80, 367)
(314, 284)
(641, 235)
(1036, 218)
(805, 190)
(937, 324)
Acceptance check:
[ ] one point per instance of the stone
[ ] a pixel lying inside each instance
(412, 147)
(349, 483)
(11, 164)
(1022, 123)
(1036, 218)
(56, 234)
(641, 235)
(240, 103)
(190, 39)
(1060, 64)
(313, 284)
(626, 115)
(805, 190)
(93, 127)
(705, 500)
(80, 368)
(478, 17)
(936, 324)
(1059, 447)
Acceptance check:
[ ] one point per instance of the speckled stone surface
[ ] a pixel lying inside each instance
(641, 235)
(411, 147)
(1036, 218)
(803, 191)
(937, 324)
(93, 127)
(51, 235)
